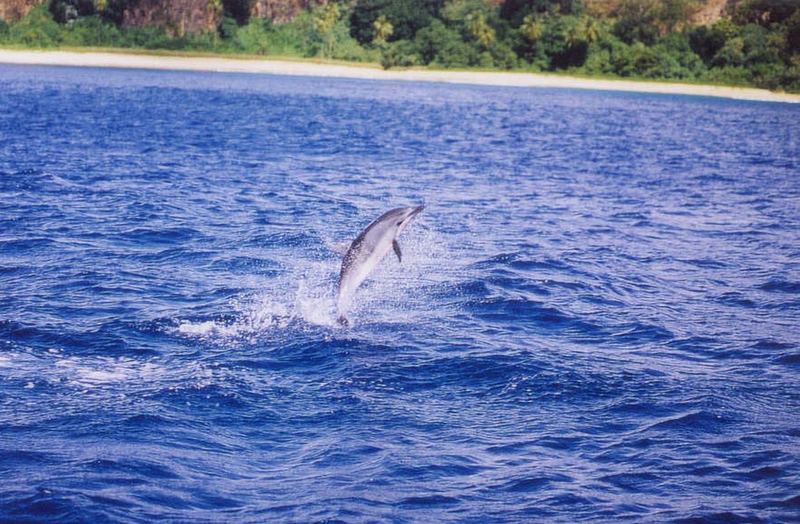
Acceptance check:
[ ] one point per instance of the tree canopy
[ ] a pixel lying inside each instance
(755, 43)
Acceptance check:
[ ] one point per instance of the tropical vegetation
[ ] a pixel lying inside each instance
(757, 42)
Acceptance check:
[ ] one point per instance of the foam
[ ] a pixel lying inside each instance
(256, 315)
(305, 295)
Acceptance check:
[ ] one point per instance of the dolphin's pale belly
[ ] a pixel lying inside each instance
(360, 268)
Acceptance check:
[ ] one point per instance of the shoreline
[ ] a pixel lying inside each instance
(132, 60)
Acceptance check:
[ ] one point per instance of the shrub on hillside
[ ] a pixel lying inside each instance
(406, 16)
(253, 38)
(727, 75)
(38, 29)
(515, 11)
(605, 55)
(399, 54)
(91, 31)
(707, 41)
(437, 44)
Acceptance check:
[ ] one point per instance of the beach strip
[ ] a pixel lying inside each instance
(297, 68)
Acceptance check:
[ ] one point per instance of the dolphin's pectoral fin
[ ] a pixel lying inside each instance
(396, 247)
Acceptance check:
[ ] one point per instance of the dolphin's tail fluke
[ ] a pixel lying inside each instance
(343, 321)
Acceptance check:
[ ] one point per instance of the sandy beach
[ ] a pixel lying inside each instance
(281, 67)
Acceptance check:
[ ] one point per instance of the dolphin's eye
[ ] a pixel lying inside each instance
(399, 223)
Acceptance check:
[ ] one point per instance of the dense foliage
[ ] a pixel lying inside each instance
(755, 43)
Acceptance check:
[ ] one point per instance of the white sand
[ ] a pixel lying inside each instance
(280, 67)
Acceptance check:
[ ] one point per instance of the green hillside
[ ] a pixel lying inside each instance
(749, 42)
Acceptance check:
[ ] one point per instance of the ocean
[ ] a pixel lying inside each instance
(595, 319)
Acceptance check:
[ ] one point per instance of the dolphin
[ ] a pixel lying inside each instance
(368, 249)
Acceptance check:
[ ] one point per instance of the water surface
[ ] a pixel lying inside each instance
(595, 318)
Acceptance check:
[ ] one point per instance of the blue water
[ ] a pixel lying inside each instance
(596, 317)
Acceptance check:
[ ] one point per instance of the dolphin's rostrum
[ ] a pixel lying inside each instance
(368, 249)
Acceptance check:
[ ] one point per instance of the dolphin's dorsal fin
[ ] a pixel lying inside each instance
(396, 247)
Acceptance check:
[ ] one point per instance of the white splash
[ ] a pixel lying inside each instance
(101, 373)
(305, 295)
(255, 315)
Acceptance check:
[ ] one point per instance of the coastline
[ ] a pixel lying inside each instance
(365, 72)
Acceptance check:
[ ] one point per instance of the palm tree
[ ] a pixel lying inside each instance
(531, 28)
(591, 30)
(383, 30)
(324, 20)
(585, 31)
(480, 29)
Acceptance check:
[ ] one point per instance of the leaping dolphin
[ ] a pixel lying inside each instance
(368, 249)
